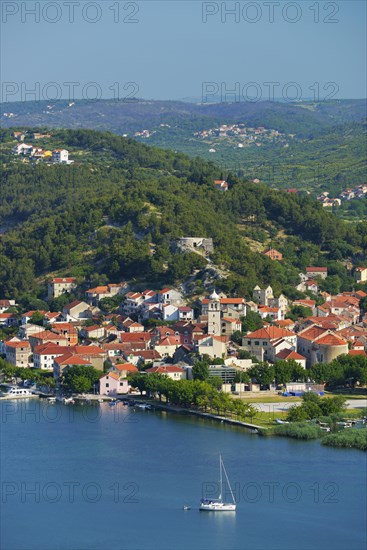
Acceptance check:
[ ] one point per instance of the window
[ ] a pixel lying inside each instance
(265, 343)
(257, 342)
(249, 342)
(107, 385)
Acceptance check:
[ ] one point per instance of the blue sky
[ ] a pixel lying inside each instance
(174, 47)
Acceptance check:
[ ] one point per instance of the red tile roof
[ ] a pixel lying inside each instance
(331, 340)
(164, 369)
(113, 375)
(71, 359)
(128, 367)
(287, 354)
(312, 332)
(21, 344)
(270, 332)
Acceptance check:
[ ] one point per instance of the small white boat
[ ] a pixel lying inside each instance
(344, 424)
(280, 421)
(217, 504)
(186, 507)
(51, 399)
(144, 406)
(68, 401)
(18, 393)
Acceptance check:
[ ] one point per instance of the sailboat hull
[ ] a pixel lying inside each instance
(218, 507)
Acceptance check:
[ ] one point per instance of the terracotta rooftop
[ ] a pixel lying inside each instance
(270, 332)
(312, 332)
(289, 354)
(331, 340)
(128, 367)
(164, 369)
(113, 375)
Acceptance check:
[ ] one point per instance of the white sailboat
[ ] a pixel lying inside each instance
(217, 504)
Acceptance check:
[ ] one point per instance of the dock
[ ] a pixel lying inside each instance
(12, 397)
(208, 416)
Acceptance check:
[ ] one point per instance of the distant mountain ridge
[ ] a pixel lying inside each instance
(128, 116)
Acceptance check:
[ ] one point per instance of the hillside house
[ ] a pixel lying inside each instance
(60, 156)
(170, 296)
(77, 311)
(309, 285)
(133, 303)
(185, 313)
(266, 342)
(59, 285)
(167, 346)
(312, 272)
(222, 185)
(272, 313)
(124, 369)
(44, 336)
(9, 319)
(94, 295)
(68, 360)
(45, 354)
(288, 355)
(230, 325)
(94, 331)
(262, 295)
(273, 254)
(360, 274)
(214, 346)
(6, 304)
(18, 352)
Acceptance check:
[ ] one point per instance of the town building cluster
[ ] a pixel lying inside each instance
(56, 156)
(358, 192)
(243, 135)
(161, 328)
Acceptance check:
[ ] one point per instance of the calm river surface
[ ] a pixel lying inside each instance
(108, 478)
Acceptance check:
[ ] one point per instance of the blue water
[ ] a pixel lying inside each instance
(101, 477)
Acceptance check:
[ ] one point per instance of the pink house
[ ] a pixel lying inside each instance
(111, 385)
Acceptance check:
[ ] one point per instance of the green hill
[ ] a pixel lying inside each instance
(327, 150)
(117, 210)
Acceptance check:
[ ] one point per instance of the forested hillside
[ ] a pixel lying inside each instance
(118, 209)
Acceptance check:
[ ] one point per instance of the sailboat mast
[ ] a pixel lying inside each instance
(221, 478)
(229, 485)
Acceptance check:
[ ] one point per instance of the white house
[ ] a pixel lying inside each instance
(60, 156)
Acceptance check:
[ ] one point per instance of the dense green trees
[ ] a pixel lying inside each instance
(313, 406)
(119, 211)
(80, 378)
(192, 394)
(345, 370)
